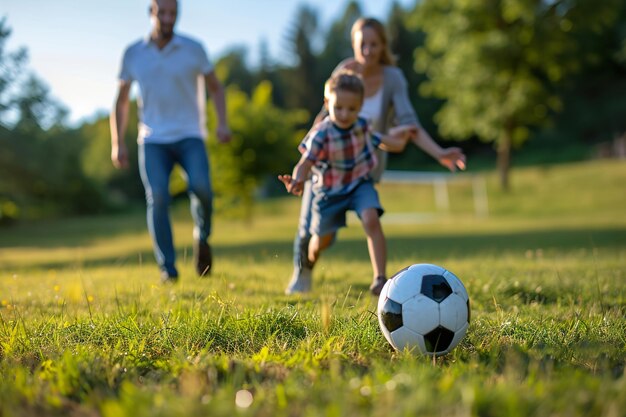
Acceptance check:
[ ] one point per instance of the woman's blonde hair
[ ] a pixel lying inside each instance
(386, 57)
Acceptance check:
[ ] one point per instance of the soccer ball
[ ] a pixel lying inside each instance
(424, 307)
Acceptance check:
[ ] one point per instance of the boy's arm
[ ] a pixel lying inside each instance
(397, 138)
(294, 183)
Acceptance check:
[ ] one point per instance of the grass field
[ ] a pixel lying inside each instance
(87, 330)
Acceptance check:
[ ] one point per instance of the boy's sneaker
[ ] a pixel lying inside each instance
(300, 281)
(203, 258)
(377, 285)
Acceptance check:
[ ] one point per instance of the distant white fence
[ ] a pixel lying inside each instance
(440, 183)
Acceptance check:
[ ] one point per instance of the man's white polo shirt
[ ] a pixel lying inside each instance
(172, 95)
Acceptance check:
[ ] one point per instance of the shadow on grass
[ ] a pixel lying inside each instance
(74, 232)
(461, 245)
(420, 248)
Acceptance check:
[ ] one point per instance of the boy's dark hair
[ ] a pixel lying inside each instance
(344, 80)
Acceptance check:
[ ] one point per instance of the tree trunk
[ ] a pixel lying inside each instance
(504, 159)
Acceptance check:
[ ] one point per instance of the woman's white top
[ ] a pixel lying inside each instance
(372, 107)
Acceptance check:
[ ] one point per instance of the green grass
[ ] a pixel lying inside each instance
(87, 330)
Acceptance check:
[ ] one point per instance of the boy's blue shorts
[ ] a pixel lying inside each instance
(328, 212)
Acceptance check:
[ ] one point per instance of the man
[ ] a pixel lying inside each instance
(174, 75)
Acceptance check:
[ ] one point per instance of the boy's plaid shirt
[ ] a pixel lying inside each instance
(342, 157)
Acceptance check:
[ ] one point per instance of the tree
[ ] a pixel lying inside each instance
(123, 185)
(404, 39)
(304, 81)
(264, 144)
(40, 173)
(232, 69)
(595, 99)
(497, 63)
(35, 108)
(338, 43)
(25, 100)
(268, 72)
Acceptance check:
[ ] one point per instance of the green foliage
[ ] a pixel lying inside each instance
(404, 39)
(122, 186)
(494, 60)
(507, 72)
(595, 99)
(232, 69)
(40, 174)
(264, 144)
(25, 100)
(338, 42)
(305, 79)
(497, 63)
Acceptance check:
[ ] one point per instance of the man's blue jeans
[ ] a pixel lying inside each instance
(156, 162)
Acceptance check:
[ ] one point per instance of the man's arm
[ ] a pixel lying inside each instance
(215, 89)
(119, 122)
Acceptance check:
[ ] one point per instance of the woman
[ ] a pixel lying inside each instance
(386, 104)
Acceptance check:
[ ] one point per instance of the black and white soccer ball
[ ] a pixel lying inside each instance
(424, 307)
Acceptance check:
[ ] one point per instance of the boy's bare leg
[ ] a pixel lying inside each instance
(317, 244)
(377, 248)
(376, 244)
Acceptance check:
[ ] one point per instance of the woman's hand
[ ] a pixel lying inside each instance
(452, 158)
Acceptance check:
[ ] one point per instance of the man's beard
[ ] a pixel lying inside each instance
(166, 32)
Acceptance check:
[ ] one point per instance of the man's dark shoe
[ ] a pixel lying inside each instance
(203, 258)
(377, 285)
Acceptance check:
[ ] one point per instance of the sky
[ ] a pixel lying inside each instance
(75, 46)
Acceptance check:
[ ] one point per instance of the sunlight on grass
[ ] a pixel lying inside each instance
(87, 329)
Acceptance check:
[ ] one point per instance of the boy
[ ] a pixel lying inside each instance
(340, 152)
